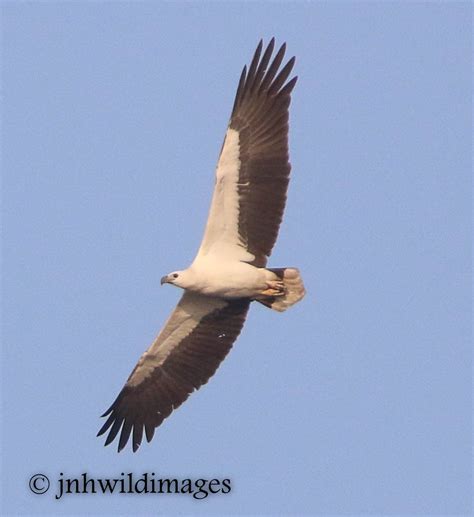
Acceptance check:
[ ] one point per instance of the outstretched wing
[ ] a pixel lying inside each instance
(195, 339)
(253, 169)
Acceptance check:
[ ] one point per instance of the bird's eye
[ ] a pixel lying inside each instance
(175, 275)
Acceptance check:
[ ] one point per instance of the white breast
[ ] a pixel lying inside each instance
(233, 279)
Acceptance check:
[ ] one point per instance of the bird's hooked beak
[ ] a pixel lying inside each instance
(165, 279)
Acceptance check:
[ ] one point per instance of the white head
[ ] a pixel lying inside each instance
(181, 279)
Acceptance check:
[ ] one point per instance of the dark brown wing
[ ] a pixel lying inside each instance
(260, 116)
(186, 353)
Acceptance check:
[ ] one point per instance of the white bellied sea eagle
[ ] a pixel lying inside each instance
(229, 271)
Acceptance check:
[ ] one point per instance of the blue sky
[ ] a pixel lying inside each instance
(358, 399)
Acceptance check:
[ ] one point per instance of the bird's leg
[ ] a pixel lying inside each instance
(274, 288)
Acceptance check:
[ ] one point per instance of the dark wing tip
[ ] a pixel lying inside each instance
(108, 411)
(126, 421)
(113, 425)
(137, 435)
(264, 76)
(288, 88)
(104, 428)
(117, 420)
(149, 432)
(127, 427)
(125, 434)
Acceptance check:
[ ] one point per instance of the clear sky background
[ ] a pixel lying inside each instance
(358, 399)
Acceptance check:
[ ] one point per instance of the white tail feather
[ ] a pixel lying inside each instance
(294, 289)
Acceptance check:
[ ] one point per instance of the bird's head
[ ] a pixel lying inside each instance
(177, 278)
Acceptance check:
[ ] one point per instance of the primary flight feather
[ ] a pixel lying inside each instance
(229, 271)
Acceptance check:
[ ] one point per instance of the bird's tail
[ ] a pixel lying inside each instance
(293, 289)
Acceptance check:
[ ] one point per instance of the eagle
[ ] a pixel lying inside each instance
(229, 271)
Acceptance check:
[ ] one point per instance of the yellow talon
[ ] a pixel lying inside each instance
(274, 289)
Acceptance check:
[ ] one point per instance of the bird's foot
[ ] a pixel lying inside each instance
(274, 288)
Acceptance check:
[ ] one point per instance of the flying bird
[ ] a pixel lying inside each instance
(229, 271)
